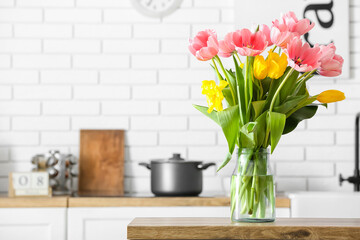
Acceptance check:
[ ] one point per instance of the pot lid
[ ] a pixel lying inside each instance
(176, 158)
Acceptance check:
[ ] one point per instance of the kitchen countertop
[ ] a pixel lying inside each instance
(6, 202)
(223, 228)
(35, 202)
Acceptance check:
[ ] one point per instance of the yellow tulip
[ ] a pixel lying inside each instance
(330, 96)
(214, 95)
(260, 67)
(277, 64)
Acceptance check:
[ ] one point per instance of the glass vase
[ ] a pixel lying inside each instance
(252, 187)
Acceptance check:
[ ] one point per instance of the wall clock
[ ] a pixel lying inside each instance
(156, 8)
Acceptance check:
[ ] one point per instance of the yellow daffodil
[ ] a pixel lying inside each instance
(260, 67)
(277, 64)
(330, 96)
(214, 95)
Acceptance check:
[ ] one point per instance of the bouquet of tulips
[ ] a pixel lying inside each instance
(265, 95)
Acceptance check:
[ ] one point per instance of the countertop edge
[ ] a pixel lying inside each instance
(79, 202)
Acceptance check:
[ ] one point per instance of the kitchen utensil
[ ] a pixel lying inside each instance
(101, 163)
(58, 166)
(175, 176)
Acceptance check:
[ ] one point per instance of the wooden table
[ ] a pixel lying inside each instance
(223, 228)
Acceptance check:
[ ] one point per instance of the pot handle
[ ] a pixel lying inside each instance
(145, 165)
(205, 166)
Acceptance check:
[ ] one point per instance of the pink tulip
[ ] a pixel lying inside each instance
(205, 45)
(226, 47)
(330, 63)
(281, 37)
(249, 44)
(301, 56)
(294, 25)
(288, 27)
(266, 30)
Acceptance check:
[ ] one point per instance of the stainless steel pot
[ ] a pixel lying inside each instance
(176, 177)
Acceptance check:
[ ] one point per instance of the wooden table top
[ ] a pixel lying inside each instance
(160, 202)
(35, 202)
(223, 228)
(6, 202)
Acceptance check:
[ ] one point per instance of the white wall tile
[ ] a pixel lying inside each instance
(78, 123)
(101, 92)
(193, 16)
(102, 31)
(5, 92)
(345, 138)
(126, 77)
(40, 123)
(19, 76)
(25, 153)
(19, 108)
(159, 61)
(330, 153)
(290, 184)
(72, 46)
(126, 16)
(100, 61)
(102, 3)
(20, 46)
(60, 138)
(45, 3)
(158, 123)
(135, 138)
(130, 108)
(4, 125)
(192, 138)
(185, 76)
(73, 15)
(305, 169)
(6, 30)
(152, 31)
(41, 61)
(43, 30)
(178, 108)
(131, 46)
(71, 108)
(4, 154)
(42, 92)
(69, 77)
(161, 92)
(149, 153)
(20, 15)
(19, 138)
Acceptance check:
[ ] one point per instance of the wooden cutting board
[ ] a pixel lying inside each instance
(101, 163)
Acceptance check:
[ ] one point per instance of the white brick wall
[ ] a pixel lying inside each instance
(72, 64)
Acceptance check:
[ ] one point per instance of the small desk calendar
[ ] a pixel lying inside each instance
(29, 184)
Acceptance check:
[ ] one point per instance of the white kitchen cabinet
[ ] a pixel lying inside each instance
(33, 223)
(110, 223)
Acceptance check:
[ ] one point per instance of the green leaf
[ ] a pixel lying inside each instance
(258, 107)
(266, 84)
(290, 103)
(303, 113)
(289, 86)
(275, 83)
(247, 138)
(240, 91)
(232, 79)
(228, 96)
(229, 122)
(260, 129)
(276, 123)
(211, 115)
(226, 161)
